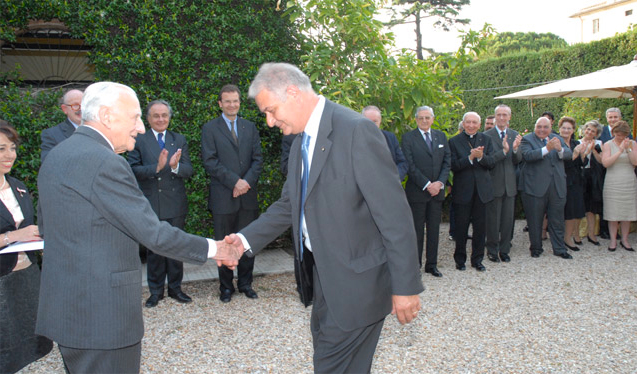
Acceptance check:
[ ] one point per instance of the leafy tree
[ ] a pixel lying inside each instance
(444, 11)
(507, 43)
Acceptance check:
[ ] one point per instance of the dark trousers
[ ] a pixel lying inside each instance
(534, 208)
(226, 224)
(336, 350)
(427, 213)
(500, 218)
(124, 360)
(158, 267)
(472, 213)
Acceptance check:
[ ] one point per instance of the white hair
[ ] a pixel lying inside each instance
(102, 94)
(276, 77)
(474, 113)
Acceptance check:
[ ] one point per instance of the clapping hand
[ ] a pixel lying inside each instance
(516, 142)
(505, 144)
(174, 160)
(476, 153)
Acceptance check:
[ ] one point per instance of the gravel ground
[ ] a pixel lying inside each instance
(545, 315)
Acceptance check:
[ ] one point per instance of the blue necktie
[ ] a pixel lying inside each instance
(428, 140)
(502, 135)
(304, 177)
(162, 145)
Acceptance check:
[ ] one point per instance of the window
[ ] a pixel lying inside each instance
(629, 12)
(596, 26)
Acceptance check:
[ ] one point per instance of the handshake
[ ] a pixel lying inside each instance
(229, 251)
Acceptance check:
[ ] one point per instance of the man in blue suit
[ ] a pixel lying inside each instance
(373, 113)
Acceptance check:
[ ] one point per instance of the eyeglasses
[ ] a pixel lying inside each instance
(75, 107)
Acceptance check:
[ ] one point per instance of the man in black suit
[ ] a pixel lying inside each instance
(429, 159)
(161, 163)
(231, 152)
(347, 210)
(471, 160)
(72, 107)
(373, 113)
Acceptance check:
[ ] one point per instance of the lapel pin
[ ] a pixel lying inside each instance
(322, 149)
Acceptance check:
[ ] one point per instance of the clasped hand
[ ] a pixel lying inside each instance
(229, 251)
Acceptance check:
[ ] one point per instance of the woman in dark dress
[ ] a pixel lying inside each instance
(574, 208)
(593, 175)
(19, 272)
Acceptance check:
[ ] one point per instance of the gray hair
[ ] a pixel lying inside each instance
(502, 106)
(460, 126)
(598, 126)
(162, 102)
(474, 113)
(102, 94)
(614, 110)
(424, 107)
(370, 108)
(276, 77)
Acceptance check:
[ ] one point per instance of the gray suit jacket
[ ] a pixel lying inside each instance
(503, 172)
(226, 163)
(165, 190)
(359, 222)
(426, 165)
(53, 136)
(92, 216)
(538, 171)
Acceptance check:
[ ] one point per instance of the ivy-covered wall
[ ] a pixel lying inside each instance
(181, 51)
(487, 79)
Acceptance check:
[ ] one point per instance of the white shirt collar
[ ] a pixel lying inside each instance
(155, 132)
(312, 126)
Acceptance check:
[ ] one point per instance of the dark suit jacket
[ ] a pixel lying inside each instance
(426, 165)
(396, 154)
(538, 171)
(8, 261)
(606, 135)
(165, 190)
(93, 215)
(503, 172)
(226, 163)
(357, 218)
(466, 175)
(54, 135)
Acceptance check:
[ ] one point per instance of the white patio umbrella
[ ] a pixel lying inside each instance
(613, 82)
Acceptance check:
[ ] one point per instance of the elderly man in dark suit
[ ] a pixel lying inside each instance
(543, 186)
(347, 210)
(471, 160)
(373, 113)
(501, 210)
(161, 163)
(92, 215)
(429, 159)
(71, 106)
(231, 153)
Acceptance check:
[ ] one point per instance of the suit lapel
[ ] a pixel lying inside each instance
(321, 147)
(153, 145)
(226, 131)
(68, 129)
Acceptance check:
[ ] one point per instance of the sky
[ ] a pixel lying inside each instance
(540, 16)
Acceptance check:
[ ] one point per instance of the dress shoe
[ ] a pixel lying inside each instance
(526, 229)
(535, 254)
(594, 242)
(604, 235)
(493, 258)
(564, 255)
(612, 249)
(479, 266)
(629, 249)
(226, 296)
(153, 300)
(180, 297)
(434, 272)
(577, 242)
(249, 292)
(452, 238)
(461, 267)
(574, 249)
(505, 257)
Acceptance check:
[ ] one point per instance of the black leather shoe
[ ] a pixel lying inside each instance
(629, 249)
(461, 267)
(594, 242)
(478, 266)
(535, 254)
(493, 258)
(574, 249)
(604, 235)
(434, 272)
(249, 292)
(564, 255)
(505, 257)
(225, 296)
(180, 297)
(153, 300)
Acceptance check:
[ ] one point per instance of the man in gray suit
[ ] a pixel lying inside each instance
(356, 254)
(543, 186)
(92, 216)
(71, 106)
(501, 210)
(231, 153)
(161, 163)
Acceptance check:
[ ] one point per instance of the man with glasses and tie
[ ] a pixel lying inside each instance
(71, 106)
(427, 153)
(231, 153)
(500, 210)
(161, 163)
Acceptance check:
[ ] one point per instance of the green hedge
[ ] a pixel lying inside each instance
(181, 51)
(482, 79)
